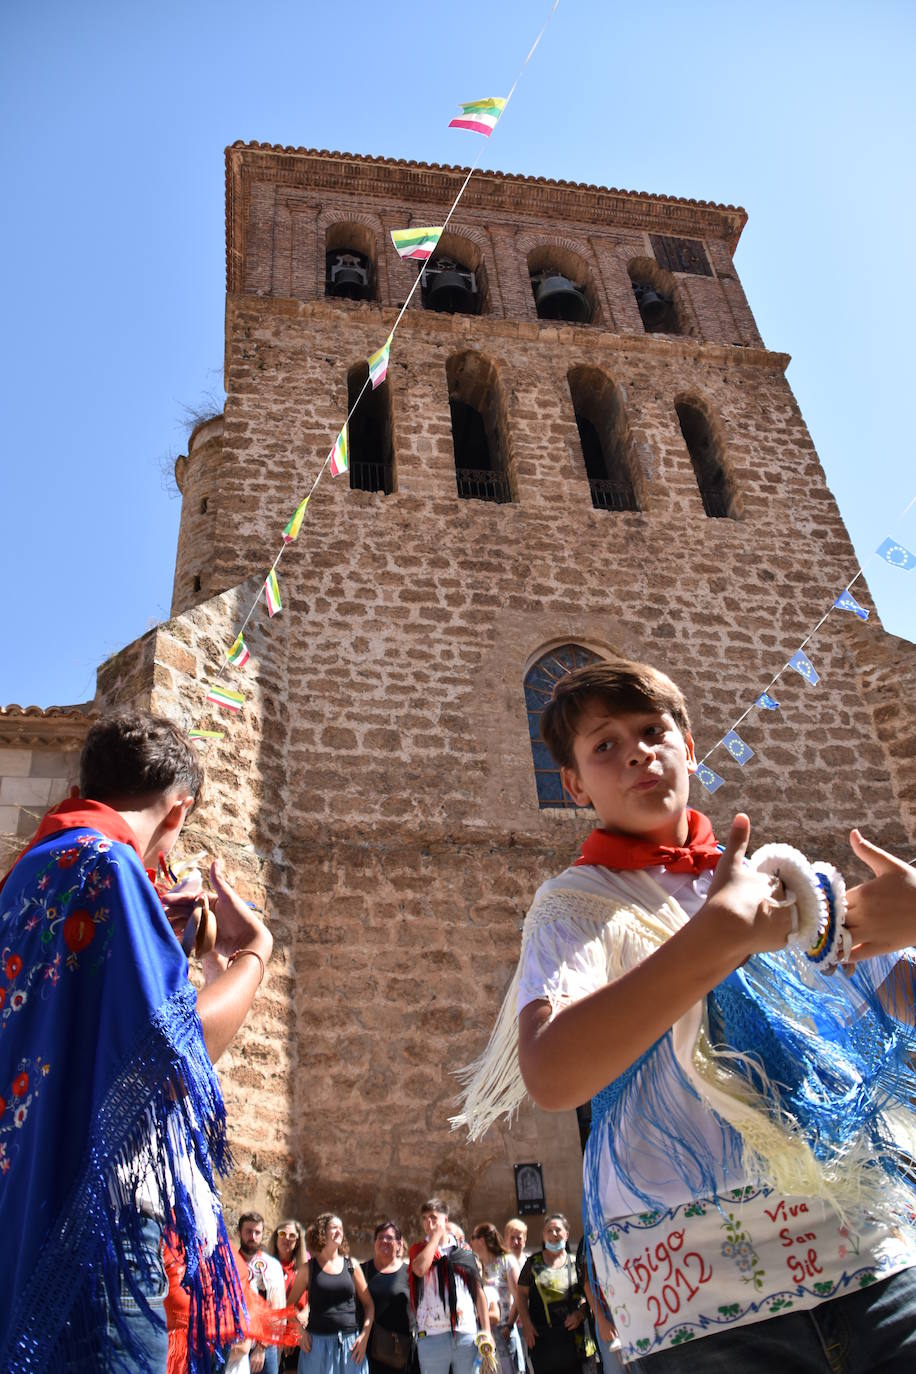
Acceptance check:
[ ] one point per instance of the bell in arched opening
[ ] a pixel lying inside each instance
(557, 298)
(450, 288)
(656, 311)
(348, 275)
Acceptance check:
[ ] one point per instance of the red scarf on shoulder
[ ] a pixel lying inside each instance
(610, 850)
(79, 813)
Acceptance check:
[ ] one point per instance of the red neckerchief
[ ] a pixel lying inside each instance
(78, 813)
(630, 851)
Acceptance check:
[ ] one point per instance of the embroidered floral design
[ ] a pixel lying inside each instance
(13, 967)
(738, 1247)
(79, 930)
(851, 1243)
(68, 858)
(730, 1309)
(20, 1085)
(866, 1279)
(695, 1209)
(780, 1305)
(825, 1289)
(681, 1336)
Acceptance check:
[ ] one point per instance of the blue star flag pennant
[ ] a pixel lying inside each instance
(710, 780)
(766, 702)
(802, 664)
(897, 555)
(739, 750)
(847, 602)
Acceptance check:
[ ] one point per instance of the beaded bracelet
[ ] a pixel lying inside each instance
(254, 954)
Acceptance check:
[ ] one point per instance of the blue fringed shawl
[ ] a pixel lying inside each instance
(112, 1111)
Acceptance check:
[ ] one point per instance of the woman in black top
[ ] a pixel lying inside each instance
(331, 1344)
(387, 1277)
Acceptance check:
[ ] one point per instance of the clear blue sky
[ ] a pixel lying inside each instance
(114, 121)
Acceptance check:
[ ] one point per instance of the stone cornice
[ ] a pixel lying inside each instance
(475, 331)
(388, 180)
(52, 727)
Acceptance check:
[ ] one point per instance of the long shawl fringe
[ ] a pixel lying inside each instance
(810, 1076)
(165, 1113)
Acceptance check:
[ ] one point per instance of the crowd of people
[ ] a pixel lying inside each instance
(458, 1300)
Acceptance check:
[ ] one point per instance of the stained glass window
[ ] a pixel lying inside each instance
(539, 683)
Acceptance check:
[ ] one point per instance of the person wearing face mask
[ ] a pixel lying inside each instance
(551, 1304)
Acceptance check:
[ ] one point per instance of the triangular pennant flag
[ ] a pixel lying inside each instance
(479, 116)
(339, 455)
(847, 602)
(416, 243)
(238, 654)
(897, 555)
(294, 524)
(272, 594)
(223, 696)
(802, 664)
(710, 780)
(766, 702)
(736, 746)
(378, 364)
(206, 734)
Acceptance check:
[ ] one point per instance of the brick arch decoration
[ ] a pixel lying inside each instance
(357, 230)
(646, 269)
(540, 679)
(575, 260)
(474, 378)
(469, 248)
(694, 398)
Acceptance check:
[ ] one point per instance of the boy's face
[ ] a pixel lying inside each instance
(634, 769)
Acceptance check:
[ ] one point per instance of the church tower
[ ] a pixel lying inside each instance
(582, 448)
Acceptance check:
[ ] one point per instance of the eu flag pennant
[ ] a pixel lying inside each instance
(710, 780)
(803, 665)
(847, 602)
(739, 750)
(766, 702)
(897, 555)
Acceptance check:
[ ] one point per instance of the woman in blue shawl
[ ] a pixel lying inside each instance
(111, 1118)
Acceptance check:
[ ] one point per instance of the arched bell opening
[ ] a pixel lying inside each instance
(454, 281)
(605, 439)
(706, 457)
(478, 429)
(349, 263)
(655, 298)
(371, 434)
(562, 286)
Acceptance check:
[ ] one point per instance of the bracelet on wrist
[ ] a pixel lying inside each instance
(254, 954)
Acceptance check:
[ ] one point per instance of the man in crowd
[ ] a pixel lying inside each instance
(266, 1278)
(447, 1297)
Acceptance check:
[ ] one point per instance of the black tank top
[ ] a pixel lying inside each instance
(332, 1300)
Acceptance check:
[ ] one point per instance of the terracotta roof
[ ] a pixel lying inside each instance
(367, 159)
(50, 726)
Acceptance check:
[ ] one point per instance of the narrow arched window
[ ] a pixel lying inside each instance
(370, 434)
(655, 298)
(349, 263)
(478, 429)
(562, 286)
(539, 683)
(706, 459)
(604, 436)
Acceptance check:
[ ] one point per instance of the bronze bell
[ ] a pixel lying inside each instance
(452, 292)
(557, 298)
(652, 307)
(348, 276)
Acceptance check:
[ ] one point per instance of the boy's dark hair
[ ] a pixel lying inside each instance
(620, 686)
(434, 1204)
(135, 754)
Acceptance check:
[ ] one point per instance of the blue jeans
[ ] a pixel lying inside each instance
(870, 1331)
(150, 1337)
(437, 1352)
(331, 1355)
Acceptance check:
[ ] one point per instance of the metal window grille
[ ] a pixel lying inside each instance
(480, 484)
(612, 495)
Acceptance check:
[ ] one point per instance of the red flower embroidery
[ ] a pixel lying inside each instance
(21, 1085)
(2, 997)
(2, 1105)
(13, 966)
(68, 858)
(79, 930)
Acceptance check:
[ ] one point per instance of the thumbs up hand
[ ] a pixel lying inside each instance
(740, 912)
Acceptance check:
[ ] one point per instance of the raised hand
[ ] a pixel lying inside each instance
(237, 926)
(741, 910)
(881, 913)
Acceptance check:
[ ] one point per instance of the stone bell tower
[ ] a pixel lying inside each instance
(582, 448)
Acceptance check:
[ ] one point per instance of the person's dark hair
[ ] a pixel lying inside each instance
(557, 1216)
(298, 1251)
(134, 754)
(388, 1226)
(491, 1238)
(620, 686)
(253, 1219)
(434, 1204)
(316, 1235)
